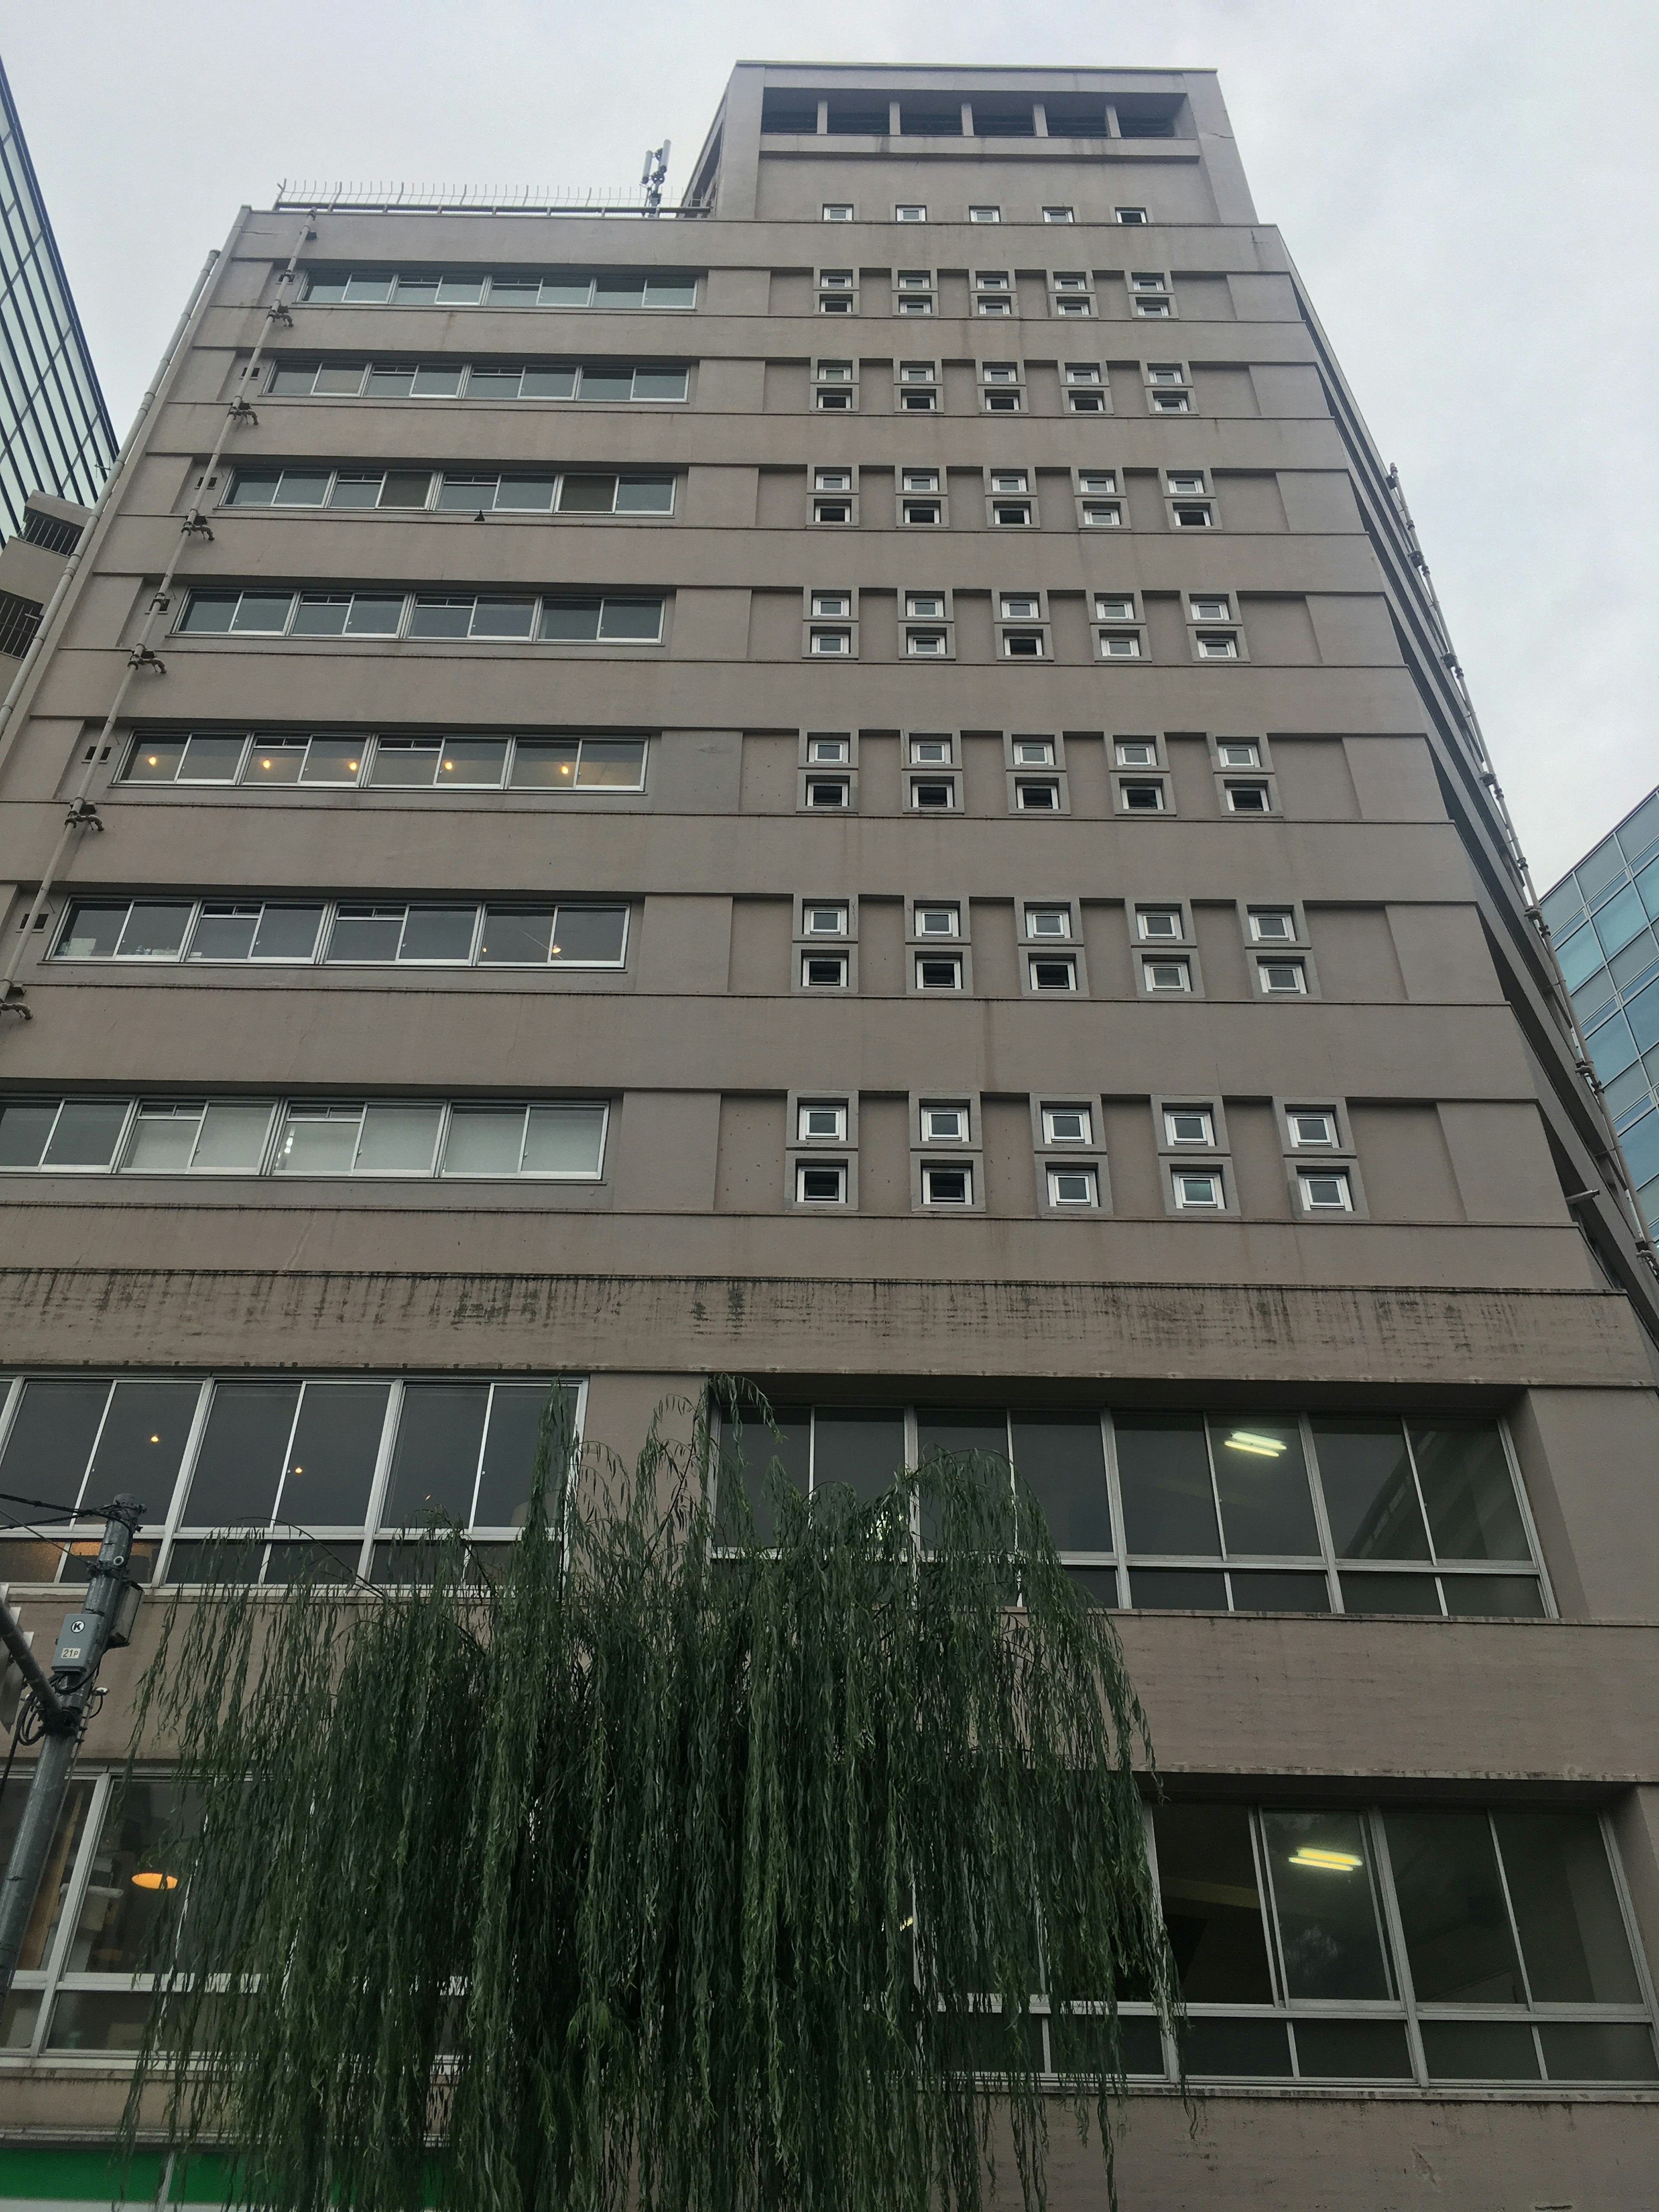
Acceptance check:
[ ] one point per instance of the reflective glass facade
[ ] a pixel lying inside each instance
(55, 433)
(1602, 916)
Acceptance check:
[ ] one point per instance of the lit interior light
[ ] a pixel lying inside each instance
(155, 1440)
(1246, 1440)
(351, 764)
(557, 948)
(148, 1881)
(564, 767)
(152, 760)
(1311, 1855)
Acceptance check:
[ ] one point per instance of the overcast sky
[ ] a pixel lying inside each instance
(1466, 186)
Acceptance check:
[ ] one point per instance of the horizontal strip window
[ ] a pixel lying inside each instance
(599, 381)
(308, 1473)
(557, 619)
(1264, 1513)
(557, 1141)
(507, 288)
(564, 491)
(343, 933)
(336, 758)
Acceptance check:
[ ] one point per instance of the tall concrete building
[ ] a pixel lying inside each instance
(861, 783)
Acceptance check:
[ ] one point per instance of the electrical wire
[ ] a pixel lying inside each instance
(49, 1505)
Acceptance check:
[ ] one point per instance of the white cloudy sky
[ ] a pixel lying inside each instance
(1467, 186)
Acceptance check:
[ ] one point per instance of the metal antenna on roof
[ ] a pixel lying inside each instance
(653, 176)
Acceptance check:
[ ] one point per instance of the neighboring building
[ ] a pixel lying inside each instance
(860, 786)
(55, 433)
(1602, 917)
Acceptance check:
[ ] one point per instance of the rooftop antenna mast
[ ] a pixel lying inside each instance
(653, 176)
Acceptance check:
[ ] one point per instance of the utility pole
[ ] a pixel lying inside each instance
(64, 1702)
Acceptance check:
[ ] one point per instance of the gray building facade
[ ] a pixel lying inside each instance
(857, 784)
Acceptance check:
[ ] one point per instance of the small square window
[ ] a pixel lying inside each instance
(1143, 798)
(916, 372)
(1185, 482)
(930, 752)
(1210, 608)
(925, 606)
(935, 793)
(1189, 1125)
(985, 215)
(919, 403)
(1102, 514)
(922, 514)
(1048, 921)
(924, 644)
(1001, 402)
(1311, 1126)
(822, 1121)
(1193, 514)
(1131, 215)
(938, 920)
(1147, 280)
(937, 972)
(994, 304)
(832, 303)
(1154, 311)
(1011, 514)
(832, 480)
(1020, 606)
(1166, 976)
(944, 1125)
(1023, 645)
(1325, 1192)
(1070, 1187)
(832, 510)
(823, 971)
(1034, 752)
(1238, 752)
(1010, 480)
(910, 213)
(835, 280)
(827, 920)
(1115, 608)
(916, 306)
(1247, 798)
(1119, 645)
(831, 603)
(835, 372)
(820, 1183)
(920, 480)
(822, 791)
(1036, 795)
(837, 211)
(1064, 306)
(992, 280)
(1068, 1125)
(1070, 280)
(1086, 402)
(1217, 644)
(1096, 481)
(1283, 978)
(829, 748)
(1058, 214)
(1165, 372)
(947, 1185)
(1197, 1193)
(1272, 925)
(836, 403)
(1083, 373)
(999, 372)
(1136, 752)
(828, 643)
(1049, 974)
(1172, 403)
(1156, 923)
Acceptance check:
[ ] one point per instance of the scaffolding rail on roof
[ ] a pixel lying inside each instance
(300, 195)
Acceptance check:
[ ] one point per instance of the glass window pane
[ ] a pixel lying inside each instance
(434, 380)
(302, 487)
(294, 382)
(404, 761)
(406, 488)
(746, 1459)
(317, 1140)
(367, 289)
(1389, 1594)
(86, 1133)
(570, 619)
(441, 618)
(263, 613)
(321, 615)
(375, 618)
(1368, 1493)
(645, 496)
(1261, 1479)
(332, 758)
(130, 1881)
(92, 930)
(671, 292)
(52, 1438)
(341, 380)
(1231, 2048)
(143, 1440)
(1598, 2051)
(587, 495)
(484, 1140)
(632, 618)
(386, 381)
(473, 759)
(25, 1124)
(660, 384)
(565, 1140)
(211, 760)
(549, 384)
(163, 1137)
(371, 933)
(256, 488)
(503, 618)
(1352, 2051)
(591, 933)
(459, 291)
(273, 760)
(566, 291)
(515, 936)
(1572, 1932)
(286, 932)
(1180, 1590)
(1207, 1879)
(435, 1463)
(233, 1139)
(619, 292)
(50, 1898)
(438, 932)
(1468, 1489)
(330, 1461)
(1452, 1910)
(1479, 2050)
(511, 1441)
(611, 765)
(209, 613)
(1267, 1591)
(155, 931)
(1329, 1936)
(398, 1140)
(1502, 1598)
(225, 933)
(865, 1450)
(240, 1465)
(1163, 1472)
(1061, 1459)
(603, 384)
(533, 495)
(156, 760)
(540, 763)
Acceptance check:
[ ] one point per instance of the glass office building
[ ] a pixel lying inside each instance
(1601, 915)
(55, 433)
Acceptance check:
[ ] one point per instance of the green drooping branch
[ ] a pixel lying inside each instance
(649, 1865)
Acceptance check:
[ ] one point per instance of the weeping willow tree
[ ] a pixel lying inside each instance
(651, 1865)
